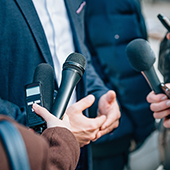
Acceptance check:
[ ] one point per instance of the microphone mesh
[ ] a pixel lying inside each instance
(140, 54)
(44, 73)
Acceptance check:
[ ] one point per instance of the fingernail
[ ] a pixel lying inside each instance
(90, 98)
(168, 103)
(35, 105)
(165, 97)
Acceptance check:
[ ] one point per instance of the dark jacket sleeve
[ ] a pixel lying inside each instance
(12, 110)
(122, 21)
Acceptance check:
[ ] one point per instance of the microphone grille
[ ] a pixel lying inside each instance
(44, 73)
(140, 54)
(76, 61)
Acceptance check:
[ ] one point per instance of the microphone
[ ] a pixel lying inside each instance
(44, 73)
(142, 58)
(73, 70)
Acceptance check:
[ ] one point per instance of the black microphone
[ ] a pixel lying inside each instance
(142, 58)
(73, 70)
(44, 73)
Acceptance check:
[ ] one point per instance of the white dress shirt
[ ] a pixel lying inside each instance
(55, 22)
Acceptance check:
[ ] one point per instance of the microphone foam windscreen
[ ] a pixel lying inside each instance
(140, 54)
(75, 61)
(44, 73)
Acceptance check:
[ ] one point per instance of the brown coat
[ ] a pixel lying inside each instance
(55, 149)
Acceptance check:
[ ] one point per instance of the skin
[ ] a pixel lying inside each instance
(108, 106)
(86, 129)
(160, 105)
(168, 36)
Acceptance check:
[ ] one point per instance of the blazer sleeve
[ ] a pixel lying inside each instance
(13, 111)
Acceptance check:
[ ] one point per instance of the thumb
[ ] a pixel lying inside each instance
(168, 36)
(83, 104)
(110, 96)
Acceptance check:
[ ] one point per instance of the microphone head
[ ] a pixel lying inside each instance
(75, 61)
(140, 54)
(44, 73)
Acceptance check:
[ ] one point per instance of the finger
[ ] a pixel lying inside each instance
(161, 106)
(110, 96)
(107, 130)
(32, 130)
(41, 111)
(99, 121)
(155, 98)
(166, 123)
(112, 116)
(84, 103)
(168, 36)
(168, 84)
(93, 125)
(109, 121)
(162, 114)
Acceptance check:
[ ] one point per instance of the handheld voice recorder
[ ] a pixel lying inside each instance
(33, 94)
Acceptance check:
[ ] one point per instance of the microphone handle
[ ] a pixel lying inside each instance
(153, 80)
(69, 81)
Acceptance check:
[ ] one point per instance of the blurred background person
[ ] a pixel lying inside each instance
(110, 26)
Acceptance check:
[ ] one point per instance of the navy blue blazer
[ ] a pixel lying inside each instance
(23, 45)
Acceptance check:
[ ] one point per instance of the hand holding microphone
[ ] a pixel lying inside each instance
(142, 58)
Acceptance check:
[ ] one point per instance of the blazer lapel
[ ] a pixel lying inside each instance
(31, 17)
(75, 9)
